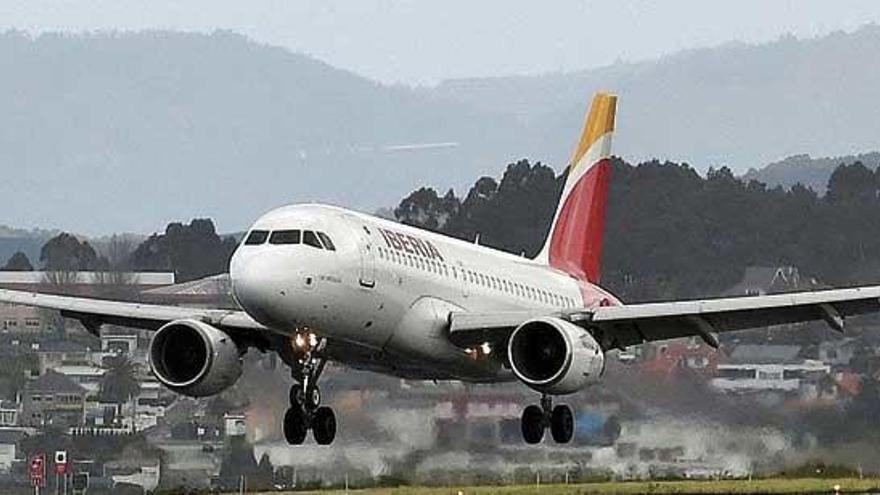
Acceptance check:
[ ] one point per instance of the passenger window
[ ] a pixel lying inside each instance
(256, 237)
(284, 237)
(327, 242)
(310, 239)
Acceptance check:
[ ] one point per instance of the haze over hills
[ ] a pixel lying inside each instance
(126, 131)
(737, 105)
(808, 171)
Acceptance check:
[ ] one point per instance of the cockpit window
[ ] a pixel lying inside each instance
(285, 237)
(326, 240)
(256, 237)
(311, 239)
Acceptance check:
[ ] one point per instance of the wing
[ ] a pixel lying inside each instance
(622, 326)
(95, 312)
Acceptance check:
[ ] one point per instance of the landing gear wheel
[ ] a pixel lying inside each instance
(296, 397)
(562, 424)
(533, 424)
(314, 398)
(295, 426)
(324, 425)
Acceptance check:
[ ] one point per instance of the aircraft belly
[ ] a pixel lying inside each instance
(421, 336)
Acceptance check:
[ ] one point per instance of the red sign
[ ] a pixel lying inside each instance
(37, 469)
(61, 464)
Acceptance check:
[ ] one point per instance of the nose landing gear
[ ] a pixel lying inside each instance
(305, 411)
(536, 419)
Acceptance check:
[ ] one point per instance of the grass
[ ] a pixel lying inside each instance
(771, 485)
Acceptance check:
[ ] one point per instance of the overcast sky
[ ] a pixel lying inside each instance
(424, 41)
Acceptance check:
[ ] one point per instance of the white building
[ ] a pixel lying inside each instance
(769, 368)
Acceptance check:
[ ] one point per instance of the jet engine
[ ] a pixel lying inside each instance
(555, 356)
(194, 358)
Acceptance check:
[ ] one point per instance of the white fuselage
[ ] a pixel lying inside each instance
(385, 293)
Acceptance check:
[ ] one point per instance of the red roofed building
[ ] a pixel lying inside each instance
(693, 354)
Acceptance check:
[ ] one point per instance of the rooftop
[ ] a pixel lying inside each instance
(54, 382)
(765, 354)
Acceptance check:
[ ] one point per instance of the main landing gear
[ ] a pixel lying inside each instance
(305, 411)
(535, 419)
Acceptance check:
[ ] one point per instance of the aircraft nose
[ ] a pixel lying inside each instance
(256, 284)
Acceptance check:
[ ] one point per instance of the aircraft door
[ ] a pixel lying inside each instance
(462, 279)
(368, 263)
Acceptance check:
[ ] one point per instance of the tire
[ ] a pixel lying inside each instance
(294, 426)
(532, 424)
(324, 425)
(562, 424)
(295, 396)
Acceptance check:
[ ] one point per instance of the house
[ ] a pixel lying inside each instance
(693, 354)
(53, 399)
(762, 280)
(838, 352)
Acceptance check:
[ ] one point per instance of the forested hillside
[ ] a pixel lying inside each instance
(672, 233)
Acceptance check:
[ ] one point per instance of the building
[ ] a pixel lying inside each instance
(53, 399)
(81, 282)
(85, 375)
(763, 280)
(838, 352)
(117, 340)
(21, 321)
(773, 369)
(9, 412)
(9, 440)
(52, 354)
(692, 354)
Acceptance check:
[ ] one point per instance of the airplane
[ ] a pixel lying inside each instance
(319, 284)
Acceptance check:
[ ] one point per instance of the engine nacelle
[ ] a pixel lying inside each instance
(194, 358)
(554, 356)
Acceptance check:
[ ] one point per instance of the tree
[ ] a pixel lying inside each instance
(120, 384)
(19, 262)
(64, 255)
(117, 280)
(192, 251)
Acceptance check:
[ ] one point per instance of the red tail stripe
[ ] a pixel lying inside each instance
(576, 246)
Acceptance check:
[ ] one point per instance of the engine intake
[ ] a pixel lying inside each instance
(194, 358)
(555, 356)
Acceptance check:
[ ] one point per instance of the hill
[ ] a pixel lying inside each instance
(737, 105)
(128, 131)
(806, 170)
(123, 132)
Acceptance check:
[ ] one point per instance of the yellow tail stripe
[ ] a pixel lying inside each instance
(600, 121)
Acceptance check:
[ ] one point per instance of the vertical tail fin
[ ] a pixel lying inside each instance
(574, 244)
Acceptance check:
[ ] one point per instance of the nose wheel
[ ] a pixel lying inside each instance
(306, 412)
(536, 419)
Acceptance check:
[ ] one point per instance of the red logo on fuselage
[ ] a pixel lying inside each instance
(410, 244)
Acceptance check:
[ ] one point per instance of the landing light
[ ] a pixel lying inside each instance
(486, 349)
